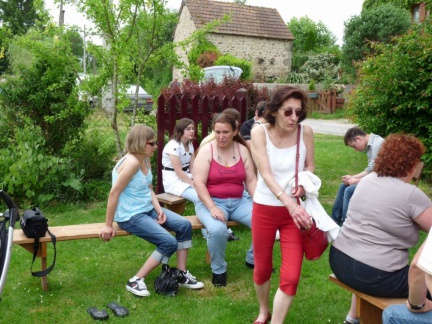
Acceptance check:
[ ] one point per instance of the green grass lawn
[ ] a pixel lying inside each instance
(93, 273)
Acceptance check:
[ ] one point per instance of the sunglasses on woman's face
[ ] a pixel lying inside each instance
(151, 143)
(289, 112)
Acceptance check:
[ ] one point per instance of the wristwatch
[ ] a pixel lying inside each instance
(416, 307)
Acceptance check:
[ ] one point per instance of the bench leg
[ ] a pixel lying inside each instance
(208, 258)
(368, 313)
(44, 279)
(42, 253)
(177, 208)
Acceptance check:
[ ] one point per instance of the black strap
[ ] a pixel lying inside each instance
(297, 161)
(43, 273)
(185, 168)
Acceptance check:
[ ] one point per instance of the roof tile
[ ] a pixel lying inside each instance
(245, 20)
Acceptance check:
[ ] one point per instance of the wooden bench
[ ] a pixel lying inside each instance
(174, 203)
(78, 232)
(369, 308)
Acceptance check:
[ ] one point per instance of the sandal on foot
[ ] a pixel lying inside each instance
(118, 310)
(97, 314)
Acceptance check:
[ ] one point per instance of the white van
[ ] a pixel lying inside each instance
(218, 72)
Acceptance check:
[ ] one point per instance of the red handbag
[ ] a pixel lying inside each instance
(314, 240)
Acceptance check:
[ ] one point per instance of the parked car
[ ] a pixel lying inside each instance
(84, 95)
(218, 72)
(145, 100)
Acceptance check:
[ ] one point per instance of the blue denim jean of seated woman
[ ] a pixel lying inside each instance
(144, 226)
(235, 209)
(367, 279)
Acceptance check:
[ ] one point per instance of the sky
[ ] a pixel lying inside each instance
(333, 13)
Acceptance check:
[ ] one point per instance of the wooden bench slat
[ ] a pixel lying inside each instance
(167, 198)
(81, 231)
(85, 231)
(379, 302)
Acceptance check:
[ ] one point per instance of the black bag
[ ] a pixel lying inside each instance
(35, 225)
(167, 283)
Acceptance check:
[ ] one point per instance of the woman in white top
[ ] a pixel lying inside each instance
(177, 161)
(275, 208)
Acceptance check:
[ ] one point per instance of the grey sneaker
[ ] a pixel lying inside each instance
(138, 287)
(191, 282)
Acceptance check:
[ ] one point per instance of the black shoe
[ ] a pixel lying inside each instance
(232, 237)
(250, 265)
(219, 280)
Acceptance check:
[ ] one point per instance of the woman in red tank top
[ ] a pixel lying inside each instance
(223, 167)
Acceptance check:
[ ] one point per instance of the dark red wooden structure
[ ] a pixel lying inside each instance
(200, 110)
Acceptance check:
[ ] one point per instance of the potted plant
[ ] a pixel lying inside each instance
(311, 90)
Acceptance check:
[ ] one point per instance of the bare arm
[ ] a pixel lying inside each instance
(249, 165)
(424, 220)
(127, 170)
(417, 286)
(175, 161)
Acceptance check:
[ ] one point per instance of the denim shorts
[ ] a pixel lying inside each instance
(367, 279)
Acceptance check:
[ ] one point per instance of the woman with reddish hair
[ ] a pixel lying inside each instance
(385, 213)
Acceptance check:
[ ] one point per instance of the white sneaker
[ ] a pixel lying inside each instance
(138, 287)
(191, 282)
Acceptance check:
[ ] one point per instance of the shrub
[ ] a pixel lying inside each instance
(321, 66)
(201, 46)
(207, 59)
(30, 174)
(245, 65)
(394, 92)
(227, 88)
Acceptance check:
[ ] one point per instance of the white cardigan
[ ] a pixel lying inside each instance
(311, 184)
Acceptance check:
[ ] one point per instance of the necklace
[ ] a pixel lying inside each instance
(220, 159)
(281, 143)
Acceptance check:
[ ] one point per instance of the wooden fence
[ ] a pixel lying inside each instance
(200, 110)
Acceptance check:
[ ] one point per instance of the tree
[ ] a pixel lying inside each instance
(240, 2)
(128, 51)
(42, 88)
(18, 15)
(310, 38)
(41, 119)
(403, 4)
(373, 25)
(394, 92)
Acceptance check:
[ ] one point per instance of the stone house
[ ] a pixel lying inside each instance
(419, 12)
(256, 34)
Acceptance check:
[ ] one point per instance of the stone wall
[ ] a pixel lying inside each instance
(270, 58)
(185, 28)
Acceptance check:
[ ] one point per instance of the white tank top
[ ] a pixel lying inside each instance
(282, 163)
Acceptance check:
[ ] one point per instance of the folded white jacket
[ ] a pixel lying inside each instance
(311, 184)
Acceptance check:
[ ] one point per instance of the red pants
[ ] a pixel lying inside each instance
(266, 220)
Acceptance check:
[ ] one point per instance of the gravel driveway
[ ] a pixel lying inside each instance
(332, 127)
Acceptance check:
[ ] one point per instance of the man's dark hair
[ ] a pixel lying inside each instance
(352, 133)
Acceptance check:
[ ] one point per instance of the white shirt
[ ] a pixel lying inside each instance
(171, 182)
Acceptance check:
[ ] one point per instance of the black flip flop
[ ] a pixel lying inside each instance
(118, 310)
(97, 314)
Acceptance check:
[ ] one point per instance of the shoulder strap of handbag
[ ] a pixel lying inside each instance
(297, 160)
(43, 273)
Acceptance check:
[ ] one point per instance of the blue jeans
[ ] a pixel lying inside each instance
(190, 194)
(340, 207)
(367, 279)
(236, 209)
(144, 226)
(399, 314)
